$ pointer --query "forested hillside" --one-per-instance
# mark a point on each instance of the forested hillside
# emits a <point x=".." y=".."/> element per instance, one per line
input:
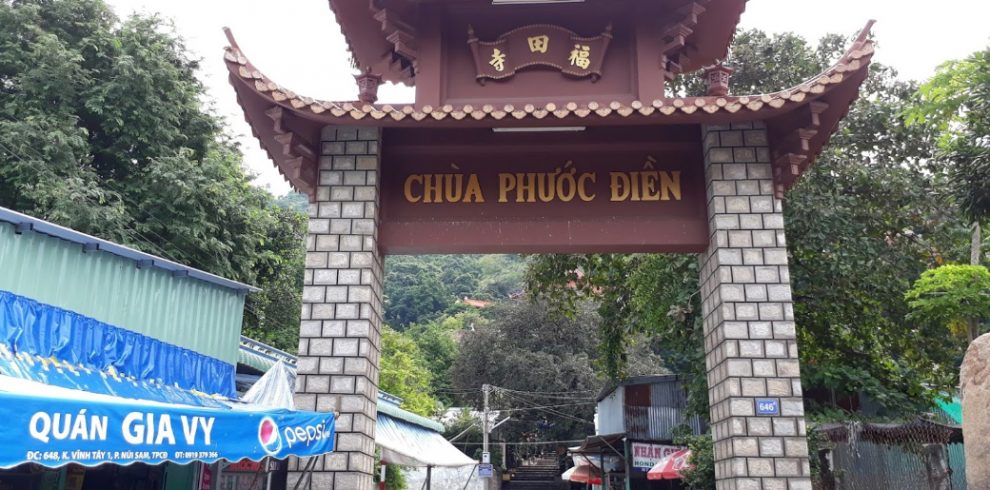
<point x="419" y="289"/>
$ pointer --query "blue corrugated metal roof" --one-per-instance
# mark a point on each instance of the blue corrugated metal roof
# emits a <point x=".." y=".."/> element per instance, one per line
<point x="23" y="222"/>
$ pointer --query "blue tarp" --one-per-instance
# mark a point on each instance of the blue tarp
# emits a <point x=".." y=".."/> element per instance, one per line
<point x="54" y="426"/>
<point x="49" y="332"/>
<point x="51" y="371"/>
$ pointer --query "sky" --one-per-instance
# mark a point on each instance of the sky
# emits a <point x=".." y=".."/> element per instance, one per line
<point x="298" y="44"/>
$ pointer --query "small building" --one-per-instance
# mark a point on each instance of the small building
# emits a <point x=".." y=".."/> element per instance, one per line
<point x="117" y="369"/>
<point x="635" y="424"/>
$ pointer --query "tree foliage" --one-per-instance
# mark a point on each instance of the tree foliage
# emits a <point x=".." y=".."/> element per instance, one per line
<point x="951" y="295"/>
<point x="103" y="129"/>
<point x="404" y="373"/>
<point x="437" y="340"/>
<point x="957" y="98"/>
<point x="526" y="348"/>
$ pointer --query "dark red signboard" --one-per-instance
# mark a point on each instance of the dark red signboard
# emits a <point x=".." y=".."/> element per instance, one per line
<point x="539" y="45"/>
<point x="628" y="189"/>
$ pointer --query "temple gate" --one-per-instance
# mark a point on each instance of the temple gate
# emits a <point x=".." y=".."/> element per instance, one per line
<point x="542" y="127"/>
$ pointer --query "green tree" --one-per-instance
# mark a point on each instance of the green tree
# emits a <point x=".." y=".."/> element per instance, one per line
<point x="437" y="340"/>
<point x="952" y="295"/>
<point x="958" y="98"/>
<point x="414" y="292"/>
<point x="540" y="358"/>
<point x="405" y="373"/>
<point x="103" y="129"/>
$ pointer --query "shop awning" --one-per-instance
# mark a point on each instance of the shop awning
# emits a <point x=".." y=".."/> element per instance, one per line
<point x="408" y="444"/>
<point x="607" y="444"/>
<point x="53" y="426"/>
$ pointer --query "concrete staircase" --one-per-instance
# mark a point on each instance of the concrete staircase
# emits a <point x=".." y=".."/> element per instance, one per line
<point x="542" y="474"/>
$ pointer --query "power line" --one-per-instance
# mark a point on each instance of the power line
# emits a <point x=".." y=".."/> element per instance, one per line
<point x="545" y="406"/>
<point x="560" y="395"/>
<point x="551" y="411"/>
<point x="546" y="392"/>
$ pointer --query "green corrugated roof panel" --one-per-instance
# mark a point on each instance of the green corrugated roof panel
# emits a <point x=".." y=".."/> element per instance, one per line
<point x="396" y="412"/>
<point x="254" y="359"/>
<point x="952" y="409"/>
<point x="173" y="306"/>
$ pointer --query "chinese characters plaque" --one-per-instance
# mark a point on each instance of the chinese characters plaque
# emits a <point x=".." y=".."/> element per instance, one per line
<point x="539" y="45"/>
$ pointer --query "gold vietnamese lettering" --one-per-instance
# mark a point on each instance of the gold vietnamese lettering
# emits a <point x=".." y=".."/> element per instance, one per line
<point x="582" y="186"/>
<point x="619" y="181"/>
<point x="473" y="192"/>
<point x="408" y="188"/>
<point x="498" y="60"/>
<point x="581" y="56"/>
<point x="442" y="188"/>
<point x="432" y="189"/>
<point x="506" y="184"/>
<point x="564" y="184"/>
<point x="538" y="44"/>
<point x="670" y="185"/>
<point x="526" y="187"/>
<point x="452" y="187"/>
<point x="643" y="186"/>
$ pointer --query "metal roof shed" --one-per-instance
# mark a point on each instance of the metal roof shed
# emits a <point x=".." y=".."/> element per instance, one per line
<point x="121" y="286"/>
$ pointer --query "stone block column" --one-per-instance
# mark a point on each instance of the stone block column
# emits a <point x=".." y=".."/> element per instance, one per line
<point x="750" y="341"/>
<point x="339" y="344"/>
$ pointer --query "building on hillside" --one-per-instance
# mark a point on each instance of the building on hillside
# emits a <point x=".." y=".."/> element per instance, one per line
<point x="117" y="369"/>
<point x="635" y="424"/>
<point x="474" y="303"/>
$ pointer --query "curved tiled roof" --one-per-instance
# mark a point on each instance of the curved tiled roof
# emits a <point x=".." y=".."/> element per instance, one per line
<point x="800" y="119"/>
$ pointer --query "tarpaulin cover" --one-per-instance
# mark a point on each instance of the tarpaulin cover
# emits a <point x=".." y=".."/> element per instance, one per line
<point x="54" y="426"/>
<point x="406" y="444"/>
<point x="274" y="389"/>
<point x="48" y="331"/>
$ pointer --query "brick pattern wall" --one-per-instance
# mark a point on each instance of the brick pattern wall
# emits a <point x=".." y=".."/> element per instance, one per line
<point x="339" y="344"/>
<point x="750" y="342"/>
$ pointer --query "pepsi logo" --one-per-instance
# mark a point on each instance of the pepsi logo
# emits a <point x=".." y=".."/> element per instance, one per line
<point x="268" y="436"/>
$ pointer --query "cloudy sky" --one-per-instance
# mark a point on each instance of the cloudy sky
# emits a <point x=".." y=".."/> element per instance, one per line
<point x="298" y="44"/>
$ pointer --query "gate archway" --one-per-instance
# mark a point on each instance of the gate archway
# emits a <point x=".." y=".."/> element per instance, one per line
<point x="557" y="155"/>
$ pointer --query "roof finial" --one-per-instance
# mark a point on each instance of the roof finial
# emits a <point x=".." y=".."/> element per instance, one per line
<point x="717" y="79"/>
<point x="368" y="86"/>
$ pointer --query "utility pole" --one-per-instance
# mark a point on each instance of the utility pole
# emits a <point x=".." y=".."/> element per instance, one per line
<point x="485" y="389"/>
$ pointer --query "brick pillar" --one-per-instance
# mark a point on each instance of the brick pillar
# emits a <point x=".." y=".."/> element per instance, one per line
<point x="339" y="344"/>
<point x="750" y="342"/>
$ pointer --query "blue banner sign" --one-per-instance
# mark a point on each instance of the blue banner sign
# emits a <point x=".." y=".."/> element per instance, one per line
<point x="55" y="431"/>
